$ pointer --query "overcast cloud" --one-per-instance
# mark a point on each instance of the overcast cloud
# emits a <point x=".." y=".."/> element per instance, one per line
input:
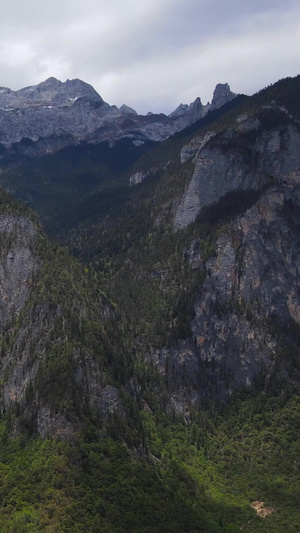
<point x="150" y="54"/>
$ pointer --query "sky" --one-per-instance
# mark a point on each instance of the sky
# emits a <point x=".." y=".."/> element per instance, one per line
<point x="150" y="54"/>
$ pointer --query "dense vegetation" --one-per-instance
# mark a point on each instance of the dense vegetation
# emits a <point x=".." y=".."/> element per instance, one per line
<point x="203" y="477"/>
<point x="55" y="186"/>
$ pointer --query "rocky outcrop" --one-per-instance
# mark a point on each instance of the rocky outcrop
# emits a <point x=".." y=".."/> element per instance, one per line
<point x="233" y="161"/>
<point x="138" y="177"/>
<point x="189" y="114"/>
<point x="20" y="362"/>
<point x="222" y="95"/>
<point x="53" y="91"/>
<point x="126" y="110"/>
<point x="252" y="284"/>
<point x="195" y="146"/>
<point x="18" y="265"/>
<point x="179" y="111"/>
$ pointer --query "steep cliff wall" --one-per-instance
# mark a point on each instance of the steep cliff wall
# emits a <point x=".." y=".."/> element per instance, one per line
<point x="247" y="309"/>
<point x="53" y="363"/>
<point x="18" y="265"/>
<point x="247" y="312"/>
<point x="244" y="158"/>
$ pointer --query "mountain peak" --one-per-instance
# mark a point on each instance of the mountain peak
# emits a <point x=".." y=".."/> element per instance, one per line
<point x="179" y="111"/>
<point x="50" y="81"/>
<point x="77" y="88"/>
<point x="222" y="95"/>
<point x="126" y="110"/>
<point x="58" y="92"/>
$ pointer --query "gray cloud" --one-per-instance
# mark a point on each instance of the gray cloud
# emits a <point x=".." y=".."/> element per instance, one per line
<point x="151" y="55"/>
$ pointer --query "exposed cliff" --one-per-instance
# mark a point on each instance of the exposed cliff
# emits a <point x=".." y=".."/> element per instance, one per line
<point x="243" y="158"/>
<point x="18" y="265"/>
<point x="245" y="325"/>
<point x="54" y="366"/>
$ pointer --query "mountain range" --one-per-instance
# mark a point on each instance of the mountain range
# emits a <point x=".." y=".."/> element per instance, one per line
<point x="150" y="311"/>
<point x="54" y="114"/>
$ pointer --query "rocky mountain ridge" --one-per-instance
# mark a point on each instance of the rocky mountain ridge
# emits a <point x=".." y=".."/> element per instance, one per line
<point x="196" y="110"/>
<point x="53" y="114"/>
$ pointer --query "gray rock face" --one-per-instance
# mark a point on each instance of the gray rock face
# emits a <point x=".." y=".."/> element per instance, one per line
<point x="254" y="278"/>
<point x="126" y="110"/>
<point x="71" y="109"/>
<point x="204" y="189"/>
<point x="55" y="92"/>
<point x="195" y="146"/>
<point x="179" y="111"/>
<point x="137" y="178"/>
<point x="219" y="170"/>
<point x="18" y="265"/>
<point x="195" y="110"/>
<point x="18" y="268"/>
<point x="222" y="95"/>
<point x="185" y="115"/>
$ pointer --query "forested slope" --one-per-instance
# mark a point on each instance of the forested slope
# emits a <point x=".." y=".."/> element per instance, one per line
<point x="152" y="383"/>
